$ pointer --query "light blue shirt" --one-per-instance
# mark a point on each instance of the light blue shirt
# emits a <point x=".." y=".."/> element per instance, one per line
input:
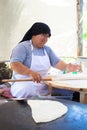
<point x="23" y="53"/>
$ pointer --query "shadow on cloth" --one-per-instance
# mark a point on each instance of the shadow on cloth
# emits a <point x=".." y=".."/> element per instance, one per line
<point x="6" y="93"/>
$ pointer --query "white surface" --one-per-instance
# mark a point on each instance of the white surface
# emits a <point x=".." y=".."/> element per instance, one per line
<point x="74" y="80"/>
<point x="45" y="110"/>
<point x="68" y="76"/>
<point x="75" y="83"/>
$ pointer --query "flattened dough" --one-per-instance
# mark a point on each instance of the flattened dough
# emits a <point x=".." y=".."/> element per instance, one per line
<point x="46" y="110"/>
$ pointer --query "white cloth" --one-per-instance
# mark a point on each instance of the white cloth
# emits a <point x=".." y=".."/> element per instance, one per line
<point x="40" y="64"/>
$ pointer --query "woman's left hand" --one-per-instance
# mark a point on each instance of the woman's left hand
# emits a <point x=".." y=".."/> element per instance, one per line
<point x="73" y="67"/>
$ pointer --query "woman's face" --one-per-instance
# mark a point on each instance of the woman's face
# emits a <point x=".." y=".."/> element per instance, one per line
<point x="40" y="40"/>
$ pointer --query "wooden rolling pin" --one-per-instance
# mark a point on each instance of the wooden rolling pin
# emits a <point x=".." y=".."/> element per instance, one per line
<point x="50" y="78"/>
<point x="21" y="80"/>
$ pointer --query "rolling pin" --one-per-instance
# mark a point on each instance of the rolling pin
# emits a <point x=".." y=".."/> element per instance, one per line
<point x="21" y="80"/>
<point x="50" y="78"/>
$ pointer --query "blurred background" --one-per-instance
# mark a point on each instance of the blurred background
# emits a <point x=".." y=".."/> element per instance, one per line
<point x="66" y="18"/>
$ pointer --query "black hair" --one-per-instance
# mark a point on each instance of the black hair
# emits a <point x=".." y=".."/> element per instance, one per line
<point x="37" y="28"/>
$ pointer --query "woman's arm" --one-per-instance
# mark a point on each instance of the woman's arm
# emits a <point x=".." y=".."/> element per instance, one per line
<point x="68" y="67"/>
<point x="24" y="70"/>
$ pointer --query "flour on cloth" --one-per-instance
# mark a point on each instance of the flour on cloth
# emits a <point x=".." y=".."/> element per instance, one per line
<point x="46" y="110"/>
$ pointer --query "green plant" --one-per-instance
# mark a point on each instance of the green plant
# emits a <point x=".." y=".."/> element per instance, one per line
<point x="85" y="36"/>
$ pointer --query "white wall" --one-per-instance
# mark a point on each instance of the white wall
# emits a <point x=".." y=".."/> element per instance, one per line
<point x="17" y="16"/>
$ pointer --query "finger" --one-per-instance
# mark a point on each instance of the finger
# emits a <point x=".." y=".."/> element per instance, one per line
<point x="37" y="79"/>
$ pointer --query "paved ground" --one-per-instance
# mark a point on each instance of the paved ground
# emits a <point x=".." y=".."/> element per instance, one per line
<point x="3" y="100"/>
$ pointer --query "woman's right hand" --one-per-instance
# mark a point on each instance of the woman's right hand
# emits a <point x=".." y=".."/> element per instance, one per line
<point x="36" y="77"/>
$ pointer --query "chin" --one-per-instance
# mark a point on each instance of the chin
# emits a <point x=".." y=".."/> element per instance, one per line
<point x="41" y="45"/>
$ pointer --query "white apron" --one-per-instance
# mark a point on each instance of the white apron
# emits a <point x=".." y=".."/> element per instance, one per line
<point x="40" y="64"/>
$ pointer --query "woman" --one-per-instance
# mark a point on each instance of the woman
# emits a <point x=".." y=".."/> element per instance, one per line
<point x="32" y="58"/>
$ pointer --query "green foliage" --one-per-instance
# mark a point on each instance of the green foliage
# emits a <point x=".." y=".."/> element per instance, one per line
<point x="85" y="36"/>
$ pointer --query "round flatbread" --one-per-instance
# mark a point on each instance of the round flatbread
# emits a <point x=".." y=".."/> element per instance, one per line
<point x="46" y="110"/>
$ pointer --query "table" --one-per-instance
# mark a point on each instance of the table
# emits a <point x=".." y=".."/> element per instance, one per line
<point x="16" y="115"/>
<point x="74" y="85"/>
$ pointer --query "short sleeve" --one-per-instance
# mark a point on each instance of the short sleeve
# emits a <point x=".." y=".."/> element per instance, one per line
<point x="18" y="54"/>
<point x="54" y="59"/>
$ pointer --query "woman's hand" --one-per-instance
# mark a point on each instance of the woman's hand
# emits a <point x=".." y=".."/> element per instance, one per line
<point x="36" y="77"/>
<point x="73" y="67"/>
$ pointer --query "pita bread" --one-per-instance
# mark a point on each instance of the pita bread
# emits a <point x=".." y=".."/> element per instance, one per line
<point x="46" y="110"/>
